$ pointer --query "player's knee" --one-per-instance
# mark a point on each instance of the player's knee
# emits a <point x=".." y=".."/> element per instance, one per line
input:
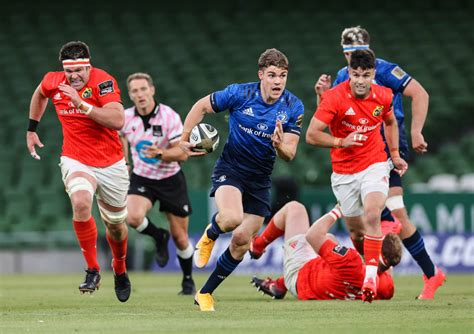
<point x="372" y="215"/>
<point x="113" y="217"/>
<point x="241" y="238"/>
<point x="295" y="206"/>
<point x="81" y="205"/>
<point x="229" y="220"/>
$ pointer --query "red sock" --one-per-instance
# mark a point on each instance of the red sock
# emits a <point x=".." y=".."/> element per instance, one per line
<point x="119" y="254"/>
<point x="270" y="233"/>
<point x="86" y="232"/>
<point x="372" y="250"/>
<point x="358" y="245"/>
<point x="280" y="283"/>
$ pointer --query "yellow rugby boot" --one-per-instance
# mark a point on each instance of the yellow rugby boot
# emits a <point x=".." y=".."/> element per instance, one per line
<point x="203" y="249"/>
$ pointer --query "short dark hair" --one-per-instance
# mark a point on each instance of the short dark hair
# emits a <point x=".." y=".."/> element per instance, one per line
<point x="74" y="50"/>
<point x="365" y="59"/>
<point x="391" y="251"/>
<point x="355" y="36"/>
<point x="272" y="57"/>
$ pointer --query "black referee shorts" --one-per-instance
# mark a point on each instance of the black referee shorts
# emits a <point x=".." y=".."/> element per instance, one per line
<point x="172" y="192"/>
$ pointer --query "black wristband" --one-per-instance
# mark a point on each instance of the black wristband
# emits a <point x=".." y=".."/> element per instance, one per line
<point x="32" y="125"/>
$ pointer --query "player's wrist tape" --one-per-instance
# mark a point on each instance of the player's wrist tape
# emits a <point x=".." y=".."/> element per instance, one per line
<point x="85" y="107"/>
<point x="335" y="213"/>
<point x="337" y="142"/>
<point x="32" y="125"/>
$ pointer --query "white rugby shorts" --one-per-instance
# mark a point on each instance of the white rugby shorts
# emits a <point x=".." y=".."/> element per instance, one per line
<point x="297" y="253"/>
<point x="112" y="181"/>
<point x="351" y="189"/>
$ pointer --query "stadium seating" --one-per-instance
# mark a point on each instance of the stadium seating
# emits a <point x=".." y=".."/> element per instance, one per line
<point x="191" y="55"/>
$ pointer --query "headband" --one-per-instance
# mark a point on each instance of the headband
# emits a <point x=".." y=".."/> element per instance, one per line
<point x="351" y="48"/>
<point x="76" y="62"/>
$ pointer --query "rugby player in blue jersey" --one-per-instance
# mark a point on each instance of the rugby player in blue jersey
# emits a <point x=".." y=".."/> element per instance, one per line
<point x="265" y="122"/>
<point x="402" y="84"/>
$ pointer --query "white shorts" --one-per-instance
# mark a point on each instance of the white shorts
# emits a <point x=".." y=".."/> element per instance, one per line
<point x="297" y="253"/>
<point x="351" y="189"/>
<point x="112" y="181"/>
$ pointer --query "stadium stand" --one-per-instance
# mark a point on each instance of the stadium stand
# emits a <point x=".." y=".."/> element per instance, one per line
<point x="192" y="55"/>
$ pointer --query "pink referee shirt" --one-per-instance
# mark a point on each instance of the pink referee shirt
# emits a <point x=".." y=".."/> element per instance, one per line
<point x="165" y="128"/>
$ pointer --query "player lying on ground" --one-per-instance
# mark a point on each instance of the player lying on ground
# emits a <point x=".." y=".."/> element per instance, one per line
<point x="316" y="266"/>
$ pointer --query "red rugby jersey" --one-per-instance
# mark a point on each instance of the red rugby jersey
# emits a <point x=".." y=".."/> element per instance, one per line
<point x="338" y="273"/>
<point x="84" y="139"/>
<point x="344" y="113"/>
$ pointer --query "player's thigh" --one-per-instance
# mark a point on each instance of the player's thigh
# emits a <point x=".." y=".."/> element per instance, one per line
<point x="346" y="188"/>
<point x="296" y="219"/>
<point x="112" y="184"/>
<point x="229" y="205"/>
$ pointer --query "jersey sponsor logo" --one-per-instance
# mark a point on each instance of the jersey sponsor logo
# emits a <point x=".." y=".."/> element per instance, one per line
<point x="248" y="111"/>
<point x="282" y="116"/>
<point x="57" y="96"/>
<point x="363" y="121"/>
<point x="299" y="121"/>
<point x="398" y="73"/>
<point x="350" y="112"/>
<point x="262" y="126"/>
<point x="106" y="87"/>
<point x="254" y="132"/>
<point x="340" y="250"/>
<point x="87" y="93"/>
<point x="360" y="128"/>
<point x="377" y="111"/>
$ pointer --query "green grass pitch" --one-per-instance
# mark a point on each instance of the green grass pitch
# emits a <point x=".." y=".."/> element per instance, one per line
<point x="53" y="304"/>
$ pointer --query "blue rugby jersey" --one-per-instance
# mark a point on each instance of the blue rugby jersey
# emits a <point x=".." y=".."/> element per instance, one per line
<point x="389" y="75"/>
<point x="248" y="150"/>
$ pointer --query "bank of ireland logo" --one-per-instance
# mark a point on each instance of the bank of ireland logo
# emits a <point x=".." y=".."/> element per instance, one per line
<point x="141" y="154"/>
<point x="87" y="93"/>
<point x="363" y="121"/>
<point x="377" y="111"/>
<point x="282" y="116"/>
<point x="262" y="126"/>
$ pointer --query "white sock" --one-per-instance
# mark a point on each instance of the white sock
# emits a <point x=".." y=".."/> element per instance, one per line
<point x="185" y="253"/>
<point x="370" y="272"/>
<point x="143" y="225"/>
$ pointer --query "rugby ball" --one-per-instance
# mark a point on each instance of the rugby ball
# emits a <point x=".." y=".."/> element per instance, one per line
<point x="205" y="137"/>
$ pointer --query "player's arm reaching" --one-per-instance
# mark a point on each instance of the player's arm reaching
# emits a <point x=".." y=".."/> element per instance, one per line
<point x="419" y="108"/>
<point x="391" y="135"/>
<point x="173" y="153"/>
<point x="318" y="137"/>
<point x="318" y="232"/>
<point x="37" y="107"/>
<point x="285" y="144"/>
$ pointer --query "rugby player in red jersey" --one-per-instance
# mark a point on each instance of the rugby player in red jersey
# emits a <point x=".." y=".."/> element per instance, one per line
<point x="88" y="104"/>
<point x="316" y="266"/>
<point x="354" y="111"/>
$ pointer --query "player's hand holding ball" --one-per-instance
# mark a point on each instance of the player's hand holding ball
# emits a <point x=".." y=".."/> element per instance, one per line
<point x="203" y="139"/>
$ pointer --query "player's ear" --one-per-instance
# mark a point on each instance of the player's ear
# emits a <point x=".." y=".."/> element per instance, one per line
<point x="260" y="74"/>
<point x="152" y="89"/>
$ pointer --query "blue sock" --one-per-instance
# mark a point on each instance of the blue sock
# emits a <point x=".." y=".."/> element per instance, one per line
<point x="215" y="230"/>
<point x="225" y="266"/>
<point x="416" y="247"/>
<point x="387" y="215"/>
